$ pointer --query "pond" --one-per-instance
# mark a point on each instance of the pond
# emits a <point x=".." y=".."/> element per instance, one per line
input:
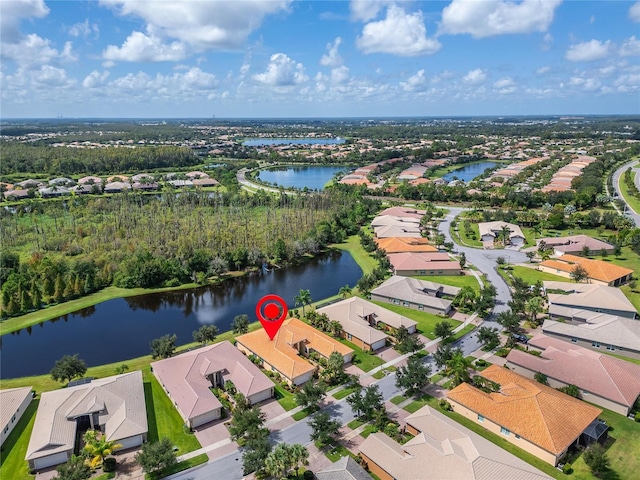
<point x="121" y="329"/>
<point x="312" y="177"/>
<point x="469" y="172"/>
<point x="264" y="142"/>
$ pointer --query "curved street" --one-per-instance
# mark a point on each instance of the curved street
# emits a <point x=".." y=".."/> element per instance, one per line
<point x="635" y="216"/>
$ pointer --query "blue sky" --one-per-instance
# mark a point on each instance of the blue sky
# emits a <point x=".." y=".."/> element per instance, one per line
<point x="282" y="58"/>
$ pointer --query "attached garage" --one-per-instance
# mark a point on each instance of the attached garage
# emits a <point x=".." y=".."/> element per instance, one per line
<point x="50" y="460"/>
<point x="207" y="417"/>
<point x="261" y="396"/>
<point x="131" y="442"/>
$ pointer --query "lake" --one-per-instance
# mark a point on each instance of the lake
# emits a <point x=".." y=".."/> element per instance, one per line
<point x="469" y="172"/>
<point x="265" y="142"/>
<point x="312" y="177"/>
<point x="120" y="329"/>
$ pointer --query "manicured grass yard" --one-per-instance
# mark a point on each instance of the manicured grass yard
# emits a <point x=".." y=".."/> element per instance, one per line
<point x="453" y="280"/>
<point x="336" y="453"/>
<point x="398" y="400"/>
<point x="365" y="361"/>
<point x="632" y="200"/>
<point x="163" y="419"/>
<point x="352" y="245"/>
<point x="368" y="430"/>
<point x="345" y="392"/>
<point x="531" y="275"/>
<point x="285" y="397"/>
<point x="355" y="423"/>
<point x="466" y="239"/>
<point x="12" y="463"/>
<point x="426" y="321"/>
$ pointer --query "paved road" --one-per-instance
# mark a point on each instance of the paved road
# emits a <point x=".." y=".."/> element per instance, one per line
<point x="635" y="216"/>
<point x="242" y="180"/>
<point x="485" y="261"/>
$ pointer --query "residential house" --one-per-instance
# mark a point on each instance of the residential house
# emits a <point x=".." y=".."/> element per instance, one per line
<point x="180" y="183"/>
<point x="90" y="180"/>
<point x="416" y="294"/>
<point x="387" y="231"/>
<point x="588" y="329"/>
<point x="442" y="449"/>
<point x="188" y="378"/>
<point x="598" y="271"/>
<point x="344" y="469"/>
<point x="18" y="194"/>
<point x="143" y="177"/>
<point x="404" y="244"/>
<point x="284" y="354"/>
<point x="403" y="212"/>
<point x="61" y="182"/>
<point x="364" y="323"/>
<point x="429" y="263"/>
<point x="30" y="183"/>
<point x="491" y="232"/>
<point x="602" y="379"/>
<point x="568" y="300"/>
<point x="114" y="405"/>
<point x="537" y="418"/>
<point x="145" y="186"/>
<point x="196" y="174"/>
<point x="116" y="187"/>
<point x="575" y="245"/>
<point x="13" y="403"/>
<point x="205" y="182"/>
<point x="403" y="222"/>
<point x="53" y="191"/>
<point x="118" y="178"/>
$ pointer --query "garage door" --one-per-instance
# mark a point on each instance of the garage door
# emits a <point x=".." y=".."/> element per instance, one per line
<point x="50" y="461"/>
<point x="130" y="442"/>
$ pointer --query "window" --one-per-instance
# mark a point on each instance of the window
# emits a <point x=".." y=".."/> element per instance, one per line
<point x="423" y="272"/>
<point x="584" y="392"/>
<point x="505" y="431"/>
<point x="480" y="418"/>
<point x="349" y="336"/>
<point x="517" y="437"/>
<point x="420" y="307"/>
<point x="611" y="347"/>
<point x="574" y="340"/>
<point x="595" y="344"/>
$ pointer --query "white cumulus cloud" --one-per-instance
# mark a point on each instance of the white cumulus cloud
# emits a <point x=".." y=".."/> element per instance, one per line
<point x="12" y="11"/>
<point x="587" y="84"/>
<point x="400" y="33"/>
<point x="95" y="79"/>
<point x="365" y="10"/>
<point x="543" y="70"/>
<point x="588" y="51"/>
<point x="35" y="50"/>
<point x="497" y="17"/>
<point x="332" y="57"/>
<point x="200" y="24"/>
<point x="415" y="83"/>
<point x="282" y="71"/>
<point x="475" y="77"/>
<point x="139" y="47"/>
<point x="634" y="12"/>
<point x="630" y="47"/>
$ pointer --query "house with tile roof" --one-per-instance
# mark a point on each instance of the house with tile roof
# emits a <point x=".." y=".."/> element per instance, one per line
<point x="442" y="449"/>
<point x="602" y="379"/>
<point x="598" y="271"/>
<point x="416" y="294"/>
<point x="285" y="354"/>
<point x="13" y="403"/>
<point x="429" y="263"/>
<point x="572" y="301"/>
<point x="490" y="232"/>
<point x="344" y="469"/>
<point x="598" y="331"/>
<point x="537" y="418"/>
<point x="404" y="244"/>
<point x="365" y="323"/>
<point x="114" y="405"/>
<point x="575" y="245"/>
<point x="403" y="212"/>
<point x="188" y="378"/>
<point x="386" y="231"/>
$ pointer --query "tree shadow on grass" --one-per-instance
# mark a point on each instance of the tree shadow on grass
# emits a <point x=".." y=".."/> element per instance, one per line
<point x="152" y="435"/>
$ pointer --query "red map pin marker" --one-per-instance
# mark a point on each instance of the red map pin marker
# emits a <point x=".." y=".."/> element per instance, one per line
<point x="275" y="312"/>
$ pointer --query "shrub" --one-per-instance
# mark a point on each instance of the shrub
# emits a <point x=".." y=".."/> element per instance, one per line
<point x="637" y="417"/>
<point x="445" y="405"/>
<point x="109" y="465"/>
<point x="481" y="362"/>
<point x="308" y="475"/>
<point x="566" y="469"/>
<point x="503" y="352"/>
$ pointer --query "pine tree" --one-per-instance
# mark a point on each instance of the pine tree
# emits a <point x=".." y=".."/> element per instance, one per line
<point x="25" y="301"/>
<point x="36" y="296"/>
<point x="78" y="288"/>
<point x="58" y="293"/>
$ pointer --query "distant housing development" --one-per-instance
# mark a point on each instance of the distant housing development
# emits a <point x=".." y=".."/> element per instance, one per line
<point x="602" y="379"/>
<point x="188" y="378"/>
<point x="114" y="405"/>
<point x="537" y="418"/>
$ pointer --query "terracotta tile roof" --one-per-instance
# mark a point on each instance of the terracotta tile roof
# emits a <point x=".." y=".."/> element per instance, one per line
<point x="542" y="415"/>
<point x="404" y="244"/>
<point x="597" y="373"/>
<point x="282" y="355"/>
<point x="596" y="269"/>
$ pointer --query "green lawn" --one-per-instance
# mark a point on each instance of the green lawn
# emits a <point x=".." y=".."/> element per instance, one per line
<point x="531" y="275"/>
<point x="285" y="397"/>
<point x="466" y="239"/>
<point x="345" y="392"/>
<point x="300" y="415"/>
<point x="365" y="361"/>
<point x="163" y="419"/>
<point x="398" y="400"/>
<point x="426" y="321"/>
<point x="461" y="333"/>
<point x="352" y="245"/>
<point x="353" y="424"/>
<point x="336" y="453"/>
<point x="179" y="467"/>
<point x="453" y="280"/>
<point x="630" y="198"/>
<point x="12" y="463"/>
<point x="417" y="404"/>
<point x="368" y="430"/>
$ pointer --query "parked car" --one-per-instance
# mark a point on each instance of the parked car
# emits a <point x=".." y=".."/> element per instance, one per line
<point x="520" y="338"/>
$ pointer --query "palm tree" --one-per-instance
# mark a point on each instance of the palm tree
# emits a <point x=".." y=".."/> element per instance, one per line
<point x="505" y="233"/>
<point x="98" y="447"/>
<point x="458" y="368"/>
<point x="303" y="298"/>
<point x="534" y="307"/>
<point x="345" y="291"/>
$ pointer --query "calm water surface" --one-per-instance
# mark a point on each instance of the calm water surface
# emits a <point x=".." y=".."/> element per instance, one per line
<point x="469" y="172"/>
<point x="263" y="142"/>
<point x="312" y="177"/>
<point x="122" y="328"/>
